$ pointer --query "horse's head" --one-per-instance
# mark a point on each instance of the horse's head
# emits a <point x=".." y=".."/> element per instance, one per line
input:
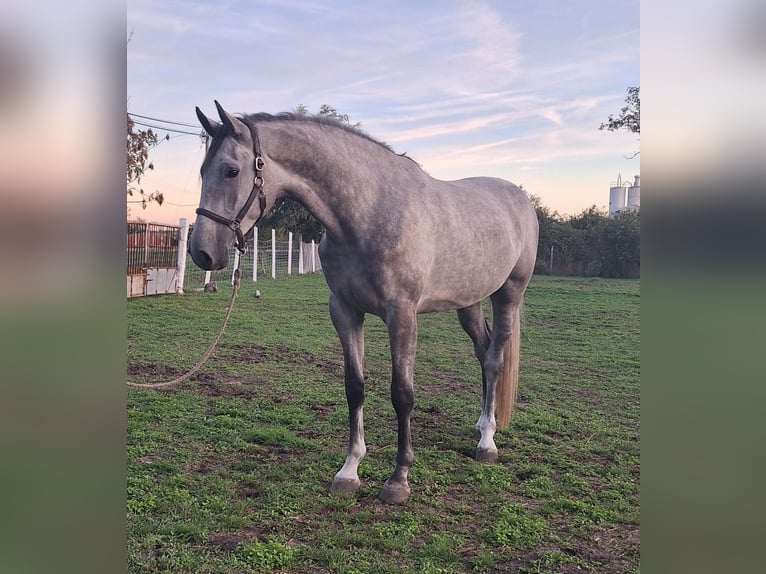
<point x="231" y="183"/>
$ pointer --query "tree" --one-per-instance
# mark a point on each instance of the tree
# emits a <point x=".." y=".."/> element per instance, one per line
<point x="630" y="115"/>
<point x="139" y="144"/>
<point x="289" y="214"/>
<point x="328" y="111"/>
<point x="589" y="243"/>
<point x="546" y="221"/>
<point x="619" y="245"/>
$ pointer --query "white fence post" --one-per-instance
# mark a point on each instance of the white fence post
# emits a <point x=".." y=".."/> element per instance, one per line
<point x="183" y="235"/>
<point x="273" y="253"/>
<point x="207" y="277"/>
<point x="300" y="257"/>
<point x="289" y="252"/>
<point x="255" y="254"/>
<point x="313" y="257"/>
<point x="236" y="264"/>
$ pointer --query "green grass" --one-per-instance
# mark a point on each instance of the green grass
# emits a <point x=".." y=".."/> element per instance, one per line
<point x="230" y="471"/>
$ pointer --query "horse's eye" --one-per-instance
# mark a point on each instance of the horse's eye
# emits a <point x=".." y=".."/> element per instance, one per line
<point x="232" y="172"/>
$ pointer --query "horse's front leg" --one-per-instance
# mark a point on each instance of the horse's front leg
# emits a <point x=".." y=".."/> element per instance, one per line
<point x="349" y="323"/>
<point x="403" y="334"/>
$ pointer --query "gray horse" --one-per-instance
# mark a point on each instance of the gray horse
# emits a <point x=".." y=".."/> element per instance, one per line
<point x="388" y="227"/>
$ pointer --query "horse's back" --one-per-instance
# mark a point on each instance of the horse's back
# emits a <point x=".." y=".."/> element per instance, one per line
<point x="482" y="192"/>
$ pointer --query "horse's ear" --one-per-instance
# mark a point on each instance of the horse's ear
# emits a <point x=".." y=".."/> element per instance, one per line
<point x="235" y="125"/>
<point x="210" y="126"/>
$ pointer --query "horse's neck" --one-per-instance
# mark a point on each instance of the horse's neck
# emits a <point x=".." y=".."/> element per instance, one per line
<point x="319" y="170"/>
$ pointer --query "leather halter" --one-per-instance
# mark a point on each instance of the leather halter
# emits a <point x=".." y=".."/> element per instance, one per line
<point x="256" y="192"/>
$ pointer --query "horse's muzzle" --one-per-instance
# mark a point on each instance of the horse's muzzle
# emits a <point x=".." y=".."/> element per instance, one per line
<point x="207" y="258"/>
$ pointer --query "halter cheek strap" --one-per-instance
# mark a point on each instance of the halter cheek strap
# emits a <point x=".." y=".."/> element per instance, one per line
<point x="256" y="192"/>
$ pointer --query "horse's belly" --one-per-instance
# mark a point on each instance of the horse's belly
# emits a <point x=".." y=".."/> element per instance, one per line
<point x="458" y="296"/>
<point x="435" y="305"/>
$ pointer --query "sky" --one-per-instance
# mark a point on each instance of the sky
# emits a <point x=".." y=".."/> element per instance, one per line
<point x="508" y="89"/>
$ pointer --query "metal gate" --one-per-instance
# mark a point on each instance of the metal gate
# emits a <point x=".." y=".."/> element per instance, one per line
<point x="152" y="259"/>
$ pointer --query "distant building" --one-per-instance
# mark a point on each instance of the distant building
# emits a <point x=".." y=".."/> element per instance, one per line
<point x="624" y="197"/>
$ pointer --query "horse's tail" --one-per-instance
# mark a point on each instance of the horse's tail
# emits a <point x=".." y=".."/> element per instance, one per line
<point x="508" y="381"/>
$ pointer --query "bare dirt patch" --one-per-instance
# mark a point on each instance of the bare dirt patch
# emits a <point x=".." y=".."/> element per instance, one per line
<point x="229" y="541"/>
<point x="152" y="372"/>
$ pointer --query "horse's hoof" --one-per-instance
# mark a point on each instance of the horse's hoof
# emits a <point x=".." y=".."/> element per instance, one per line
<point x="345" y="485"/>
<point x="486" y="455"/>
<point x="393" y="493"/>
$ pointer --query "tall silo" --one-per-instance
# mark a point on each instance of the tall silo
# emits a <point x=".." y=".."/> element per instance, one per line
<point x="616" y="197"/>
<point x="634" y="195"/>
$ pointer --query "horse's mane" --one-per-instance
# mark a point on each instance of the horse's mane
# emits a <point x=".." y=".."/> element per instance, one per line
<point x="315" y="119"/>
<point x="252" y="119"/>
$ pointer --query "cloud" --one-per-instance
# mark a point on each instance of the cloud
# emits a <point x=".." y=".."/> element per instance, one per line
<point x="458" y="126"/>
<point x="455" y="83"/>
<point x="494" y="42"/>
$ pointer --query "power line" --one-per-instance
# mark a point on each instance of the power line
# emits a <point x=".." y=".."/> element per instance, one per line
<point x="162" y="121"/>
<point x="148" y="124"/>
<point x="166" y="129"/>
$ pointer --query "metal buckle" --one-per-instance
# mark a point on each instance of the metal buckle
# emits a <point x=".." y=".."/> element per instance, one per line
<point x="259" y="163"/>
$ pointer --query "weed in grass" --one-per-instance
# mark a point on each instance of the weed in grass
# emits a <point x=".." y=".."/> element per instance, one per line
<point x="398" y="531"/>
<point x="485" y="561"/>
<point x="428" y="567"/>
<point x="538" y="487"/>
<point x="183" y="532"/>
<point x="141" y="498"/>
<point x="233" y="521"/>
<point x="275" y="436"/>
<point x="160" y="466"/>
<point x="338" y="560"/>
<point x="516" y="527"/>
<point x="564" y="505"/>
<point x="247" y="464"/>
<point x="440" y="549"/>
<point x="572" y="484"/>
<point x="267" y="556"/>
<point x="492" y="478"/>
<point x="583" y="513"/>
<point x="532" y="470"/>
<point x="554" y="562"/>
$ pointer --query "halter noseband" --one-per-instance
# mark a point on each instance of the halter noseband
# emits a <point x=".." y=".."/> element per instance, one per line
<point x="256" y="192"/>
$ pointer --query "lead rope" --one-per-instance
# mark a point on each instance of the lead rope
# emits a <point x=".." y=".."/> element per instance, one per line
<point x="206" y="356"/>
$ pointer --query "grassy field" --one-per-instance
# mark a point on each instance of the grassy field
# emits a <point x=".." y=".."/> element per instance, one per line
<point x="230" y="471"/>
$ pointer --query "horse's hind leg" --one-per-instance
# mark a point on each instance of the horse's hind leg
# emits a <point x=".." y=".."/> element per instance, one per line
<point x="349" y="324"/>
<point x="473" y="322"/>
<point x="505" y="313"/>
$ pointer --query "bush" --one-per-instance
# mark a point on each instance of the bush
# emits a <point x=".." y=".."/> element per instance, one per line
<point x="590" y="243"/>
